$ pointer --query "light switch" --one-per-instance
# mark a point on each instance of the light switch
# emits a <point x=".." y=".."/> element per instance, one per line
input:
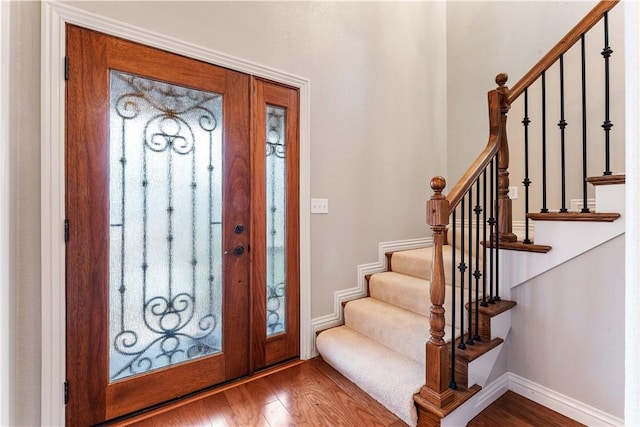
<point x="319" y="206"/>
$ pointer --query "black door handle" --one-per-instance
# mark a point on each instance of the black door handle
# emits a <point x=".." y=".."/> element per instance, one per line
<point x="238" y="250"/>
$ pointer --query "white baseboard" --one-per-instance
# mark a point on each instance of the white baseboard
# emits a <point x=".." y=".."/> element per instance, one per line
<point x="551" y="399"/>
<point x="359" y="291"/>
<point x="560" y="403"/>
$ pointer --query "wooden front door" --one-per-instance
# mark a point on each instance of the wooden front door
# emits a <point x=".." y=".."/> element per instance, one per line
<point x="158" y="210"/>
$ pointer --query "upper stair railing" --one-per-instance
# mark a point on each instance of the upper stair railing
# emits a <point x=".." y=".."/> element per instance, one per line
<point x="477" y="212"/>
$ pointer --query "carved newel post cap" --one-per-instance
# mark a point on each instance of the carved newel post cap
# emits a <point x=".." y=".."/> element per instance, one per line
<point x="501" y="79"/>
<point x="437" y="184"/>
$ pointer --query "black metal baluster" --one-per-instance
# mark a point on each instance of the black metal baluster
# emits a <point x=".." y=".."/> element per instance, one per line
<point x="452" y="383"/>
<point x="606" y="125"/>
<point x="526" y="182"/>
<point x="470" y="259"/>
<point x="476" y="274"/>
<point x="462" y="267"/>
<point x="492" y="222"/>
<point x="544" y="145"/>
<point x="585" y="207"/>
<point x="194" y="232"/>
<point x="562" y="124"/>
<point x="484" y="239"/>
<point x="496" y="297"/>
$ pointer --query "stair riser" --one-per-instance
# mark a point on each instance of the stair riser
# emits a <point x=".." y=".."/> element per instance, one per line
<point x="395" y="328"/>
<point x="417" y="263"/>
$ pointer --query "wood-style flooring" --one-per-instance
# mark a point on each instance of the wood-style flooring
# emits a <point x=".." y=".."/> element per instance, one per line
<point x="312" y="393"/>
<point x="513" y="410"/>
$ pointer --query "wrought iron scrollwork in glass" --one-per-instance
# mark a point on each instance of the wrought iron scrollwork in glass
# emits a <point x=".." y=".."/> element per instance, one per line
<point x="276" y="219"/>
<point x="165" y="224"/>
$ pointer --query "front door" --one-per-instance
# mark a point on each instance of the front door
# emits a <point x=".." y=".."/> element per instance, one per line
<point x="158" y="209"/>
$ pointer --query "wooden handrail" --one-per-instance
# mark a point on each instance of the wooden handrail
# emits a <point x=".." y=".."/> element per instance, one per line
<point x="473" y="172"/>
<point x="572" y="37"/>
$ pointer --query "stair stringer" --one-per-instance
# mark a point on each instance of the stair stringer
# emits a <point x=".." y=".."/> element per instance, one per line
<point x="481" y="370"/>
<point x="518" y="267"/>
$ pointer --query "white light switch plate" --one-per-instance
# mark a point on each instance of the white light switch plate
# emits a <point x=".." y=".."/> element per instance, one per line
<point x="319" y="206"/>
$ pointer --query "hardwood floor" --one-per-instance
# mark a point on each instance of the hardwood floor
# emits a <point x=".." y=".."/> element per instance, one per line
<point x="513" y="410"/>
<point x="312" y="393"/>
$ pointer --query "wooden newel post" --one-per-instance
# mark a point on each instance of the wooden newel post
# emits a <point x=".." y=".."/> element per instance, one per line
<point x="436" y="389"/>
<point x="504" y="202"/>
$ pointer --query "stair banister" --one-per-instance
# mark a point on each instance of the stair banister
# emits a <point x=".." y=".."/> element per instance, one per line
<point x="436" y="390"/>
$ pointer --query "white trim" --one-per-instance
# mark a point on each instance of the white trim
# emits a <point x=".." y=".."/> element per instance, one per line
<point x="632" y="241"/>
<point x="52" y="216"/>
<point x="551" y="399"/>
<point x="360" y="291"/>
<point x="5" y="321"/>
<point x="560" y="403"/>
<point x="54" y="17"/>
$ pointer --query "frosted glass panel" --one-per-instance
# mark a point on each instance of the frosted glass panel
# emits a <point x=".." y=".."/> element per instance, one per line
<point x="165" y="192"/>
<point x="276" y="220"/>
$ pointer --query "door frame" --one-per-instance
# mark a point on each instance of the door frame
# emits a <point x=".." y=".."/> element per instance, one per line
<point x="54" y="17"/>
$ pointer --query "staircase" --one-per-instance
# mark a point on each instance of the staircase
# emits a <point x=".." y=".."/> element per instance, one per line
<point x="426" y="341"/>
<point x="381" y="345"/>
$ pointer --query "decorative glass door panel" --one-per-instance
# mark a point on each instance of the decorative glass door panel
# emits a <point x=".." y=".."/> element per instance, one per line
<point x="165" y="272"/>
<point x="275" y="248"/>
<point x="276" y="180"/>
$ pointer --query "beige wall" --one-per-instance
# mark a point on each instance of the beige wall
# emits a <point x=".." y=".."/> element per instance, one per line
<point x="378" y="97"/>
<point x="24" y="174"/>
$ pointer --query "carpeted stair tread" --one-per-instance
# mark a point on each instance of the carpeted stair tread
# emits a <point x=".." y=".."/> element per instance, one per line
<point x="389" y="377"/>
<point x="394" y="327"/>
<point x="391" y="326"/>
<point x="414" y="262"/>
<point x="408" y="292"/>
<point x="417" y="263"/>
